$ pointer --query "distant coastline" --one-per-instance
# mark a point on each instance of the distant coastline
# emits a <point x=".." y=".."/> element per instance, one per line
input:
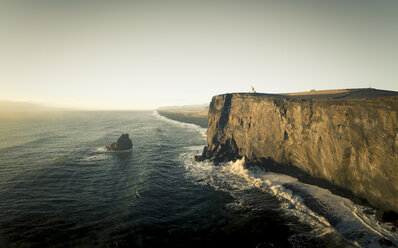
<point x="197" y="117"/>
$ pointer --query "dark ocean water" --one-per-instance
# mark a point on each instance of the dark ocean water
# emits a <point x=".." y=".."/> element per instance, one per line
<point x="60" y="188"/>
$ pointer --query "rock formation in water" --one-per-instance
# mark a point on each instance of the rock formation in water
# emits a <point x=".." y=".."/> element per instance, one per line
<point x="122" y="143"/>
<point x="349" y="138"/>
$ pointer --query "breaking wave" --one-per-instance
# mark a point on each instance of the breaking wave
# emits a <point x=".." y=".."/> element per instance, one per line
<point x="330" y="216"/>
<point x="202" y="131"/>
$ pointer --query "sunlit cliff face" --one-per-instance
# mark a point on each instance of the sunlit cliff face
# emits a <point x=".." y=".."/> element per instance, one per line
<point x="335" y="138"/>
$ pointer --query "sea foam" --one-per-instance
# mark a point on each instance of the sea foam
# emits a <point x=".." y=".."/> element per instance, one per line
<point x="202" y="131"/>
<point x="332" y="215"/>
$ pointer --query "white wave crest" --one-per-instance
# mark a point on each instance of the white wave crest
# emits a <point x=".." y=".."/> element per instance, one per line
<point x="349" y="219"/>
<point x="97" y="157"/>
<point x="202" y="131"/>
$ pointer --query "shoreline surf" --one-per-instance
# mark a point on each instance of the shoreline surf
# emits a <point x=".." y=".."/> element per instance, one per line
<point x="307" y="197"/>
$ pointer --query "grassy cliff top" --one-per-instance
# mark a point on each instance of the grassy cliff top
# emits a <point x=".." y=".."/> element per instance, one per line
<point x="364" y="93"/>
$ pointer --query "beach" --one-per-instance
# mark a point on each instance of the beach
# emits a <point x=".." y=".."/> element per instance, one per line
<point x="197" y="117"/>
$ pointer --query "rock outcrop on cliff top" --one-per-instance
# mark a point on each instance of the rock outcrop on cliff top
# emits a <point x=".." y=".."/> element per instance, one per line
<point x="349" y="138"/>
<point x="122" y="143"/>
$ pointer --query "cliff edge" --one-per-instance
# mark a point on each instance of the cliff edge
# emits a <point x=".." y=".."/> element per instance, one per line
<point x="348" y="137"/>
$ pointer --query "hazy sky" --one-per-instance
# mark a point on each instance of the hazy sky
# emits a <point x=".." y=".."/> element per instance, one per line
<point x="143" y="54"/>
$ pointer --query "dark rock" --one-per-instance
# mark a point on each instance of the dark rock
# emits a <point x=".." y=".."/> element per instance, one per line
<point x="122" y="143"/>
<point x="223" y="153"/>
<point x="202" y="157"/>
<point x="386" y="242"/>
<point x="387" y="216"/>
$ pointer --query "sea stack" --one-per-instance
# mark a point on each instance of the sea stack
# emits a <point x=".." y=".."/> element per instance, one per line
<point x="122" y="143"/>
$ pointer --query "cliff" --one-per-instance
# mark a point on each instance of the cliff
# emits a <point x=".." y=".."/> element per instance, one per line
<point x="347" y="137"/>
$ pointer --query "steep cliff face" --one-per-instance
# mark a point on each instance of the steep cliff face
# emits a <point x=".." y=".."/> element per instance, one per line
<point x="349" y="141"/>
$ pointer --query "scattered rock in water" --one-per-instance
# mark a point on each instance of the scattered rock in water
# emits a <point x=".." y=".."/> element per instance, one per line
<point x="227" y="151"/>
<point x="386" y="242"/>
<point x="387" y="216"/>
<point x="122" y="143"/>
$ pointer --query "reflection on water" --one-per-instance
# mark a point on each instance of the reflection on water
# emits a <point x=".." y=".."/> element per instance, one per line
<point x="59" y="187"/>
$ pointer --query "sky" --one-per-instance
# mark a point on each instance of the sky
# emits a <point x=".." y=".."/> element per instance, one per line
<point x="94" y="54"/>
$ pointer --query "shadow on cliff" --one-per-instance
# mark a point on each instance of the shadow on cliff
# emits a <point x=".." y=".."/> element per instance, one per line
<point x="269" y="165"/>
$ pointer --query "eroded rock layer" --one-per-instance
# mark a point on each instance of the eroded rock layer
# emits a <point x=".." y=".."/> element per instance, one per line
<point x="347" y="139"/>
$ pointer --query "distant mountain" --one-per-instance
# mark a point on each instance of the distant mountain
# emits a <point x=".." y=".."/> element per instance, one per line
<point x="19" y="106"/>
<point x="186" y="107"/>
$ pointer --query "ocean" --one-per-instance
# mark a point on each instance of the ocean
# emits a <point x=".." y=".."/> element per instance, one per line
<point x="59" y="187"/>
